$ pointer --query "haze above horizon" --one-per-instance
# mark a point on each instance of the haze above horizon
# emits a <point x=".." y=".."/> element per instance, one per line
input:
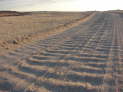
<point x="60" y="5"/>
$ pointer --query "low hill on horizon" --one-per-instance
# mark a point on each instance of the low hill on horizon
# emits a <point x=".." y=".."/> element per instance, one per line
<point x="11" y="13"/>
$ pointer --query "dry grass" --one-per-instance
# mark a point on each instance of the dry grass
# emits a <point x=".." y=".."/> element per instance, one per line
<point x="17" y="29"/>
<point x="36" y="74"/>
<point x="64" y="66"/>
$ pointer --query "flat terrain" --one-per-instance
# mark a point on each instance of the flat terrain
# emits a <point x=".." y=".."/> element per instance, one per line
<point x="16" y="28"/>
<point x="85" y="58"/>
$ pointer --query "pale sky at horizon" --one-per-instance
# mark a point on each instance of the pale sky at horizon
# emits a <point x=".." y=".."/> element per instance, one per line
<point x="60" y="5"/>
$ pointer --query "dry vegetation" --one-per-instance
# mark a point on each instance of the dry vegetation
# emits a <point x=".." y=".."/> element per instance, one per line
<point x="85" y="59"/>
<point x="17" y="28"/>
<point x="35" y="74"/>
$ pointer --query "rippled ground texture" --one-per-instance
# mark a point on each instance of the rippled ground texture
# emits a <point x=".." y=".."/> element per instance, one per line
<point x="86" y="58"/>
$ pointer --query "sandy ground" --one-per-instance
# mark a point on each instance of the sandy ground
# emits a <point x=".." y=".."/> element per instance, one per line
<point x="86" y="58"/>
<point x="16" y="30"/>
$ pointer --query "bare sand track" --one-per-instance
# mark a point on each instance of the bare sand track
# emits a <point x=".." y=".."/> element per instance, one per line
<point x="85" y="58"/>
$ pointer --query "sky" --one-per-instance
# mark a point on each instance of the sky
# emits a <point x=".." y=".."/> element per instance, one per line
<point x="60" y="5"/>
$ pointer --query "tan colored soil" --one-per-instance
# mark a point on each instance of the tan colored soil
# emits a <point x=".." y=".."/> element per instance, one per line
<point x="18" y="30"/>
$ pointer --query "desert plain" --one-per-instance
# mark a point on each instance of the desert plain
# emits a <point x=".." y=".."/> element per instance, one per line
<point x="61" y="51"/>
